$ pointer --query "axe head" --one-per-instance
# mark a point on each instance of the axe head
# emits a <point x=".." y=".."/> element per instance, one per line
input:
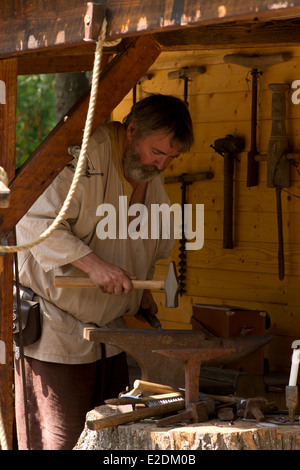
<point x="171" y="287"/>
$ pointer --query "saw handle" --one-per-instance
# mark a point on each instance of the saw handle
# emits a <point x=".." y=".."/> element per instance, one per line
<point x="85" y="282"/>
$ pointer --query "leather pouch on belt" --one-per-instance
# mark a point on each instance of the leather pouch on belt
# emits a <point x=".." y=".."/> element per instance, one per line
<point x="30" y="314"/>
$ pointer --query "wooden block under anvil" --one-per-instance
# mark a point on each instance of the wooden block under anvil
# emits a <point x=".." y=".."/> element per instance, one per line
<point x="225" y="321"/>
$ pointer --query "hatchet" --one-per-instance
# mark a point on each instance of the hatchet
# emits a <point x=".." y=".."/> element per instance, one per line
<point x="170" y="285"/>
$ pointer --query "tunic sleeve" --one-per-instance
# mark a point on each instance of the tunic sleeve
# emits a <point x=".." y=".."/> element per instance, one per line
<point x="63" y="246"/>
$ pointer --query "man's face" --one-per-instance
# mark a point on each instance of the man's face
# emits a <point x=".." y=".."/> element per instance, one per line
<point x="146" y="157"/>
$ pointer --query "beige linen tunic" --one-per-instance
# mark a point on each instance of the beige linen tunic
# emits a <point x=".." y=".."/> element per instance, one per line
<point x="65" y="312"/>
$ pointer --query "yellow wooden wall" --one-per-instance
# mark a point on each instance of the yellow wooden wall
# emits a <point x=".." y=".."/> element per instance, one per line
<point x="220" y="104"/>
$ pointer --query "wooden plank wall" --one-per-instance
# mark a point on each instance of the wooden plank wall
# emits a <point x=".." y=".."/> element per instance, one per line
<point x="220" y="104"/>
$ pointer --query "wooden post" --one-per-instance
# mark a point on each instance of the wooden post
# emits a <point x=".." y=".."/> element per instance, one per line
<point x="8" y="76"/>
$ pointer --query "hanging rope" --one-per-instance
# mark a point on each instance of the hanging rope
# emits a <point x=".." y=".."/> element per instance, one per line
<point x="82" y="157"/>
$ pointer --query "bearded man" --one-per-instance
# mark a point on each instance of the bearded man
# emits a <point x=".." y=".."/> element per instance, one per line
<point x="66" y="376"/>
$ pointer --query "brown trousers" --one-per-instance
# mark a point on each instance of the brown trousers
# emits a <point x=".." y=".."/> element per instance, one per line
<point x="60" y="395"/>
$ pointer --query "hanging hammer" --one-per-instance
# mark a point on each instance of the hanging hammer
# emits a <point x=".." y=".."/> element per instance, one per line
<point x="185" y="73"/>
<point x="169" y="285"/>
<point x="228" y="147"/>
<point x="256" y="64"/>
<point x="144" y="78"/>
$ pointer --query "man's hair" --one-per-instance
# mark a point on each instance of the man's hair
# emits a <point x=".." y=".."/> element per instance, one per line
<point x="162" y="112"/>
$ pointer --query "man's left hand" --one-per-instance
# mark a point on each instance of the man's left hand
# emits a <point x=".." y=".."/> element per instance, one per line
<point x="147" y="303"/>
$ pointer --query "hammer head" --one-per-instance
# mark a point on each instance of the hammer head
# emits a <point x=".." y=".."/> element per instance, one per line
<point x="229" y="144"/>
<point x="171" y="287"/>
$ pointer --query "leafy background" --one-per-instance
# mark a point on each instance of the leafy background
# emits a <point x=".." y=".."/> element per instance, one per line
<point x="42" y="100"/>
<point x="36" y="113"/>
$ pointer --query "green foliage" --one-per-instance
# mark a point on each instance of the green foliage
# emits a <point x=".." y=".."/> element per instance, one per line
<point x="36" y="115"/>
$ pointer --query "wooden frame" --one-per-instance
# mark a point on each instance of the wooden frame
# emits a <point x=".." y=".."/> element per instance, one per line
<point x="61" y="24"/>
<point x="8" y="73"/>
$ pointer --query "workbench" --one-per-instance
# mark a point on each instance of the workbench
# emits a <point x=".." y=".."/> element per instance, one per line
<point x="210" y="435"/>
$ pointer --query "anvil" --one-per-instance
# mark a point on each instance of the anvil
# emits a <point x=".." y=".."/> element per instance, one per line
<point x="140" y="344"/>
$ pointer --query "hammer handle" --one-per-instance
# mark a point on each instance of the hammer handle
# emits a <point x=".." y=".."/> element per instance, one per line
<point x="280" y="235"/>
<point x="228" y="201"/>
<point x="137" y="415"/>
<point x="154" y="387"/>
<point x="85" y="282"/>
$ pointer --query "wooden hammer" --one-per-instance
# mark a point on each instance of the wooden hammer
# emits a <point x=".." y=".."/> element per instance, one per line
<point x="170" y="285"/>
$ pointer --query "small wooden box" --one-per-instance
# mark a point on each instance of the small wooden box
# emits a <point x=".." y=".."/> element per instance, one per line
<point x="225" y="321"/>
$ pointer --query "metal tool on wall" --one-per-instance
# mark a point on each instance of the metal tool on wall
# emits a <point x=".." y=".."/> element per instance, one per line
<point x="144" y="78"/>
<point x="278" y="173"/>
<point x="185" y="74"/>
<point x="257" y="64"/>
<point x="279" y="158"/>
<point x="228" y="147"/>
<point x="185" y="179"/>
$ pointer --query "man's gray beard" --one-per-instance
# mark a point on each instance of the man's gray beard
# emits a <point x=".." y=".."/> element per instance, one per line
<point x="136" y="171"/>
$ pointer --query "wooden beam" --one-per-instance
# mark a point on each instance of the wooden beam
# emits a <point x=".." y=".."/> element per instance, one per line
<point x="237" y="34"/>
<point x="73" y="59"/>
<point x="232" y="34"/>
<point x="117" y="79"/>
<point x="38" y="64"/>
<point x="58" y="64"/>
<point x="33" y="26"/>
<point x="136" y="17"/>
<point x="8" y="75"/>
<point x="61" y="24"/>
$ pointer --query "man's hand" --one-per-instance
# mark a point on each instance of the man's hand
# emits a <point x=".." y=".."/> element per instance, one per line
<point x="109" y="278"/>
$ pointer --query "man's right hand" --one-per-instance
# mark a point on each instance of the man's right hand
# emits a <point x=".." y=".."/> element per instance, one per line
<point x="109" y="278"/>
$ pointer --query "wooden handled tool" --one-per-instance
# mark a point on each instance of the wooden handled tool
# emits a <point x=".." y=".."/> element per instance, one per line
<point x="230" y="400"/>
<point x="169" y="285"/>
<point x="256" y="64"/>
<point x="186" y="73"/>
<point x="278" y="174"/>
<point x="85" y="282"/>
<point x="154" y="387"/>
<point x="228" y="147"/>
<point x="186" y="180"/>
<point x="137" y="415"/>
